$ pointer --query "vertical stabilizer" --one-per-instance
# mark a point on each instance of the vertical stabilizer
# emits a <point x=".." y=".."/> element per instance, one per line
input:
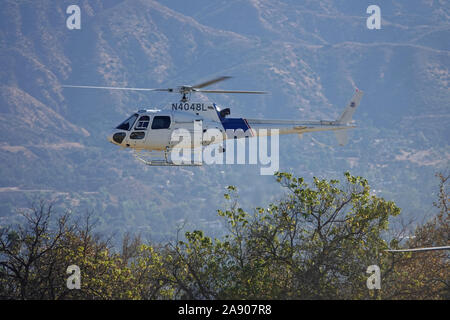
<point x="347" y="115"/>
<point x="342" y="137"/>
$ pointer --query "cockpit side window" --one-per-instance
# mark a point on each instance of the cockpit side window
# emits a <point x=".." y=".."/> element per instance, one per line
<point x="142" y="123"/>
<point x="128" y="124"/>
<point x="161" y="122"/>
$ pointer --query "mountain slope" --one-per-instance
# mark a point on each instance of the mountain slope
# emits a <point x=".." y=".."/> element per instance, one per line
<point x="310" y="55"/>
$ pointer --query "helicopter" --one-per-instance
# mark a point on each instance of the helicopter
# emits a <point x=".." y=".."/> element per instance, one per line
<point x="152" y="130"/>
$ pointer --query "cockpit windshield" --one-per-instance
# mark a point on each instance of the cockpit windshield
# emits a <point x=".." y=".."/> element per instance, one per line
<point x="128" y="124"/>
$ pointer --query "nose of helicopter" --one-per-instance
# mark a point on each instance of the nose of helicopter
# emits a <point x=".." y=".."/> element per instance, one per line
<point x="116" y="137"/>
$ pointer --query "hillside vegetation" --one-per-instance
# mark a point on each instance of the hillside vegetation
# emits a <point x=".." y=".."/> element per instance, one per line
<point x="310" y="55"/>
<point x="315" y="243"/>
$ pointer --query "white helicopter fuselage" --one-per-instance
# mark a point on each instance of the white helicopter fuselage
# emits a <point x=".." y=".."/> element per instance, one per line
<point x="153" y="130"/>
<point x="181" y="125"/>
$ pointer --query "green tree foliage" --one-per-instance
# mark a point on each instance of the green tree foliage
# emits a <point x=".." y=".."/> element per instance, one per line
<point x="34" y="259"/>
<point x="314" y="243"/>
<point x="423" y="275"/>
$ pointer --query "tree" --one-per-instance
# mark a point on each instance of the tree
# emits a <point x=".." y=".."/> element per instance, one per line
<point x="29" y="255"/>
<point x="314" y="244"/>
<point x="424" y="275"/>
<point x="34" y="257"/>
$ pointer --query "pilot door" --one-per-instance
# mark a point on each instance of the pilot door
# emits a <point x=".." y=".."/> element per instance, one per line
<point x="159" y="133"/>
<point x="139" y="134"/>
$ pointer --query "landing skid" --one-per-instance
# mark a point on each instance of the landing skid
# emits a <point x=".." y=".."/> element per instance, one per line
<point x="161" y="159"/>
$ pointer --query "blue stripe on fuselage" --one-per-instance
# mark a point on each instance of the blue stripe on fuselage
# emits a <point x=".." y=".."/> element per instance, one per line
<point x="234" y="124"/>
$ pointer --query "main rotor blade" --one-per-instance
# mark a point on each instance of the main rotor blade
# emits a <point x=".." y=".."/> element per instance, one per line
<point x="230" y="91"/>
<point x="116" y="88"/>
<point x="210" y="82"/>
